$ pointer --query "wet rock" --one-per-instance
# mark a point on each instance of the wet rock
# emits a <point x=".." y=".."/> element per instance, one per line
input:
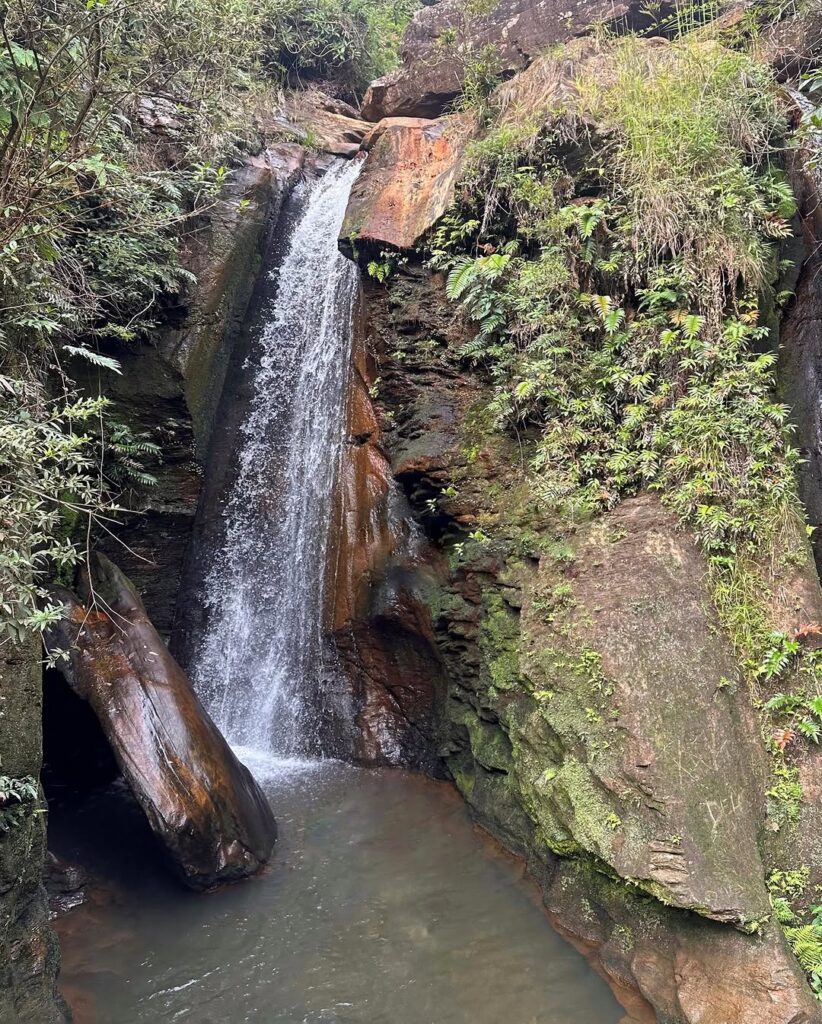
<point x="65" y="884"/>
<point x="226" y="263"/>
<point x="376" y="617"/>
<point x="203" y="805"/>
<point x="665" y="966"/>
<point x="796" y="593"/>
<point x="407" y="182"/>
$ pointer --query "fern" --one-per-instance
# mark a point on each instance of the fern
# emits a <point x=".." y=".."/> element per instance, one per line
<point x="94" y="357"/>
<point x="460" y="278"/>
<point x="602" y="304"/>
<point x="806" y="942"/>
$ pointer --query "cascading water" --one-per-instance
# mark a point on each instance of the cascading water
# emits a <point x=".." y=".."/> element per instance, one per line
<point x="383" y="904"/>
<point x="261" y="665"/>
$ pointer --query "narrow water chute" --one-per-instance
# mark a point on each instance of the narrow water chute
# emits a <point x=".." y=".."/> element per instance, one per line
<point x="261" y="664"/>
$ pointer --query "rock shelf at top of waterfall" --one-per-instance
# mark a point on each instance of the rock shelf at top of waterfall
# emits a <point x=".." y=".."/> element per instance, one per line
<point x="261" y="665"/>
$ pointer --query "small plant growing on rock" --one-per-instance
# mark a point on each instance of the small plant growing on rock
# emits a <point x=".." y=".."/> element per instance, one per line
<point x="15" y="794"/>
<point x="800" y="713"/>
<point x="806" y="942"/>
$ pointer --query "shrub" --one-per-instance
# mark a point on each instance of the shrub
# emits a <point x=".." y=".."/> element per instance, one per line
<point x="614" y="268"/>
<point x="95" y="208"/>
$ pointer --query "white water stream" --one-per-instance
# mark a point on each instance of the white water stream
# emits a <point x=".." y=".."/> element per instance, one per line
<point x="261" y="666"/>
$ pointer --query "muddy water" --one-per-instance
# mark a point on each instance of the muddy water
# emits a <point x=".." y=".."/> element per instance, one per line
<point x="383" y="906"/>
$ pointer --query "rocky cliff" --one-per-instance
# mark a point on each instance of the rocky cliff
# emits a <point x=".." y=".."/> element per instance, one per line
<point x="593" y="700"/>
<point x="587" y="705"/>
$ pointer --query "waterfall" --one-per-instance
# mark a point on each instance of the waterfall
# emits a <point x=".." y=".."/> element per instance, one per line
<point x="261" y="667"/>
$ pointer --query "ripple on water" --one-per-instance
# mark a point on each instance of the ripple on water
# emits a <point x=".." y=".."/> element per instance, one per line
<point x="383" y="905"/>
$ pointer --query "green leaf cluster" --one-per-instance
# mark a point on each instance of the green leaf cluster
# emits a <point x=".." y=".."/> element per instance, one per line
<point x="616" y="284"/>
<point x="16" y="794"/>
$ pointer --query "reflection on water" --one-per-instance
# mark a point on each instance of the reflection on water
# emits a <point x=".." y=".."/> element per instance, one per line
<point x="383" y="905"/>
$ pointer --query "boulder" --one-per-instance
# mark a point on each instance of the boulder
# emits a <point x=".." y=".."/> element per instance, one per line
<point x="202" y="804"/>
<point x="65" y="884"/>
<point x="643" y="694"/>
<point x="667" y="966"/>
<point x="322" y="122"/>
<point x="431" y="74"/>
<point x="407" y="182"/>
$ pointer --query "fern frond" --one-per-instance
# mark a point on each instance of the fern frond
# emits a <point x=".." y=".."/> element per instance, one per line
<point x="94" y="357"/>
<point x="461" y="276"/>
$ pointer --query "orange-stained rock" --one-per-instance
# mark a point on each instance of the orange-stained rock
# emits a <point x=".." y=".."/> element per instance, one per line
<point x="666" y="966"/>
<point x="203" y="805"/>
<point x="408" y="180"/>
<point x="381" y="629"/>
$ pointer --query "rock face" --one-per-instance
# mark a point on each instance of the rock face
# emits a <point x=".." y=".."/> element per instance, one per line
<point x="637" y="671"/>
<point x="378" y="625"/>
<point x="171" y="389"/>
<point x="29" y="957"/>
<point x="407" y="182"/>
<point x="588" y="705"/>
<point x="432" y="70"/>
<point x="326" y="123"/>
<point x="203" y="805"/>
<point x="669" y="967"/>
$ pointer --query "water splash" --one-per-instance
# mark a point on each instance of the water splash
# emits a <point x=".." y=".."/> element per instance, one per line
<point x="261" y="667"/>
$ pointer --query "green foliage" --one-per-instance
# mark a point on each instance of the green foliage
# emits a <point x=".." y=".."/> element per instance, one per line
<point x="798" y="713"/>
<point x="784" y="794"/>
<point x="778" y="657"/>
<point x="617" y="302"/>
<point x="786" y="887"/>
<point x="689" y="144"/>
<point x="806" y="942"/>
<point x="616" y="256"/>
<point x="385" y="265"/>
<point x="127" y="455"/>
<point x="350" y="41"/>
<point x="49" y="477"/>
<point x="16" y="795"/>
